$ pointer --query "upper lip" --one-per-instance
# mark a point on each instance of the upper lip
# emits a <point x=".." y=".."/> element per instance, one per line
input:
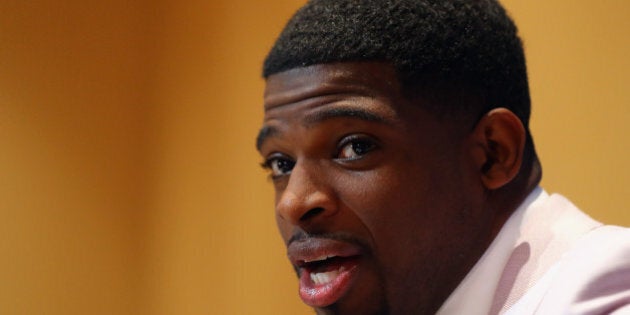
<point x="311" y="249"/>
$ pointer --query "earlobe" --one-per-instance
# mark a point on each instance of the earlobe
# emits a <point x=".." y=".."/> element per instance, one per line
<point x="500" y="136"/>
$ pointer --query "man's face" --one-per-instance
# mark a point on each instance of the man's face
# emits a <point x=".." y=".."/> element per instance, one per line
<point x="378" y="201"/>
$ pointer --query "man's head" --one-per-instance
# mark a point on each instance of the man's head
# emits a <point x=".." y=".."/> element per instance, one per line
<point x="396" y="134"/>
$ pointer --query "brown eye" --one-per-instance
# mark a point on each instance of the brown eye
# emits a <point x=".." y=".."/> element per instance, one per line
<point x="279" y="166"/>
<point x="355" y="148"/>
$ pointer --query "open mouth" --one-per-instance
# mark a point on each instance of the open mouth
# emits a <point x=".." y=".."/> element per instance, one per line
<point x="324" y="270"/>
<point x="327" y="268"/>
<point x="326" y="279"/>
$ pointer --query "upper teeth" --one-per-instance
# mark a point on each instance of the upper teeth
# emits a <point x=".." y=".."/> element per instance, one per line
<point x="320" y="278"/>
<point x="320" y="258"/>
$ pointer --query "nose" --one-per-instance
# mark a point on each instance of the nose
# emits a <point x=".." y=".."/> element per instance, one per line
<point x="308" y="196"/>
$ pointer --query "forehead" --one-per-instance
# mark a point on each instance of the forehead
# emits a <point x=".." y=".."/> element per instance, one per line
<point x="361" y="91"/>
<point x="371" y="79"/>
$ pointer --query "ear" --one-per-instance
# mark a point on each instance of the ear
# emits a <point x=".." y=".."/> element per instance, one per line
<point x="500" y="140"/>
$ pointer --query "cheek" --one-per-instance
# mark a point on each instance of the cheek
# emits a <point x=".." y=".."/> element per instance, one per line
<point x="391" y="206"/>
<point x="404" y="205"/>
<point x="390" y="202"/>
<point x="379" y="195"/>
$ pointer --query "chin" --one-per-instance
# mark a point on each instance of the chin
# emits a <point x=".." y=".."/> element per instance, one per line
<point x="340" y="308"/>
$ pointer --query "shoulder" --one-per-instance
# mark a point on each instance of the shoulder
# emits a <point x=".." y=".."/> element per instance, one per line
<point x="593" y="277"/>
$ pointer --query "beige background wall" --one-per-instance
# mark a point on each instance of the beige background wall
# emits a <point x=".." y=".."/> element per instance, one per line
<point x="130" y="182"/>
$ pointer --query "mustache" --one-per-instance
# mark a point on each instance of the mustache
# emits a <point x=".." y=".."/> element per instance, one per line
<point x="301" y="236"/>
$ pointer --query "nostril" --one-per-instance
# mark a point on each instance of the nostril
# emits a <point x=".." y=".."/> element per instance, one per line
<point x="311" y="213"/>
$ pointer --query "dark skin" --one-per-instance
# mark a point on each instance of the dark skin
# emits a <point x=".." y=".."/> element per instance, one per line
<point x="354" y="160"/>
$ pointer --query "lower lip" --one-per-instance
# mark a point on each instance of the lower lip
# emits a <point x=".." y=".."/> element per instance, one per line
<point x="323" y="295"/>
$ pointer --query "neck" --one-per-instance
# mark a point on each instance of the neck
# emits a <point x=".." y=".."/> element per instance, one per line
<point x="507" y="199"/>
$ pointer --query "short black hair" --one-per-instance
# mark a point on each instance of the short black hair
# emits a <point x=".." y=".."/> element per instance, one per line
<point x="456" y="47"/>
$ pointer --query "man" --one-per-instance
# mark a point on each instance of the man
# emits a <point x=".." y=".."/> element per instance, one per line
<point x="396" y="135"/>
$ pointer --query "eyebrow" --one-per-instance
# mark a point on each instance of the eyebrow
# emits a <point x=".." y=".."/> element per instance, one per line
<point x="265" y="133"/>
<point x="323" y="115"/>
<point x="344" y="112"/>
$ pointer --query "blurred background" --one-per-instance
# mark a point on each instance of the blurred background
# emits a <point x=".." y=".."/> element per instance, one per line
<point x="129" y="182"/>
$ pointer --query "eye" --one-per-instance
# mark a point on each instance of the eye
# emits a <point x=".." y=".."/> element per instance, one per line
<point x="355" y="147"/>
<point x="279" y="166"/>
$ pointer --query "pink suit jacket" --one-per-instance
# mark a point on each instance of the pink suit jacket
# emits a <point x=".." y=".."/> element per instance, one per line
<point x="564" y="262"/>
<point x="549" y="258"/>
